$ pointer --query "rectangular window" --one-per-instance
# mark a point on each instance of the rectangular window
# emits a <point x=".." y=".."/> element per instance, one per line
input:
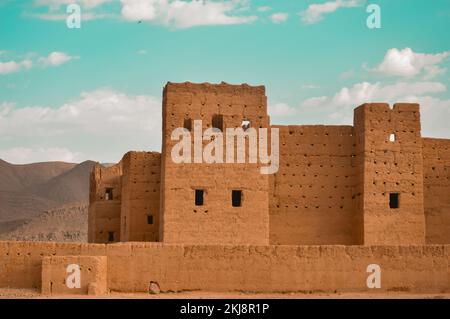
<point x="150" y="219"/>
<point x="188" y="124"/>
<point x="236" y="198"/>
<point x="199" y="197"/>
<point x="394" y="200"/>
<point x="245" y="124"/>
<point x="217" y="121"/>
<point x="110" y="236"/>
<point x="109" y="194"/>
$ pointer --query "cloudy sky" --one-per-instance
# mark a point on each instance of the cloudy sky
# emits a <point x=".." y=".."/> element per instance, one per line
<point x="95" y="92"/>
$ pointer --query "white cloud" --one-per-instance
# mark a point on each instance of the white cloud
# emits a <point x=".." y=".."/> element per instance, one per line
<point x="56" y="4"/>
<point x="53" y="59"/>
<point x="171" y="13"/>
<point x="48" y="16"/>
<point x="5" y="108"/>
<point x="315" y="12"/>
<point x="347" y="74"/>
<point x="56" y="59"/>
<point x="142" y="52"/>
<point x="185" y="14"/>
<point x="310" y="86"/>
<point x="13" y="66"/>
<point x="407" y="63"/>
<point x="85" y="16"/>
<point x="279" y="17"/>
<point x="371" y="92"/>
<point x="100" y="125"/>
<point x="57" y="9"/>
<point x="281" y="109"/>
<point x="339" y="107"/>
<point x="25" y="155"/>
<point x="264" y="9"/>
<point x="314" y="101"/>
<point x="435" y="114"/>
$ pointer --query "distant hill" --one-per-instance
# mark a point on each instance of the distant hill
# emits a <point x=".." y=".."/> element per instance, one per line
<point x="71" y="186"/>
<point x="17" y="177"/>
<point x="22" y="205"/>
<point x="61" y="224"/>
<point x="28" y="191"/>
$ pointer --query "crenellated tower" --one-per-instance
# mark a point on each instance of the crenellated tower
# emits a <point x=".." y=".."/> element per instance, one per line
<point x="389" y="207"/>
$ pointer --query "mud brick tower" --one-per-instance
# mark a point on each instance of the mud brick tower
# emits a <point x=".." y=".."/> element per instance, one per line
<point x="198" y="197"/>
<point x="141" y="178"/>
<point x="105" y="200"/>
<point x="389" y="167"/>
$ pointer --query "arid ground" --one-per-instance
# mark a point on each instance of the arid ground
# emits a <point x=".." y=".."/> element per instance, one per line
<point x="29" y="293"/>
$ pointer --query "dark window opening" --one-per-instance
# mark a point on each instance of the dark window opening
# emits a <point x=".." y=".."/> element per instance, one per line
<point x="217" y="122"/>
<point x="188" y="124"/>
<point x="236" y="198"/>
<point x="394" y="200"/>
<point x="109" y="194"/>
<point x="199" y="197"/>
<point x="110" y="236"/>
<point x="150" y="219"/>
<point x="245" y="124"/>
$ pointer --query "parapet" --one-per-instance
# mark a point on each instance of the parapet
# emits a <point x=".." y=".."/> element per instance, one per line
<point x="386" y="108"/>
<point x="221" y="88"/>
<point x="138" y="155"/>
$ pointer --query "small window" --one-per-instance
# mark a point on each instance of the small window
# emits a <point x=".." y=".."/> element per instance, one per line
<point x="110" y="236"/>
<point x="150" y="219"/>
<point x="109" y="194"/>
<point x="188" y="124"/>
<point x="199" y="197"/>
<point x="245" y="124"/>
<point x="392" y="138"/>
<point x="236" y="198"/>
<point x="394" y="200"/>
<point x="217" y="122"/>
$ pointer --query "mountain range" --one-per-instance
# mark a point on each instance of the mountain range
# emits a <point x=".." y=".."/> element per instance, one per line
<point x="43" y="201"/>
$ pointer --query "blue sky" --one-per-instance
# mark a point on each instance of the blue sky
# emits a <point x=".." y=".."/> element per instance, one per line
<point x="95" y="92"/>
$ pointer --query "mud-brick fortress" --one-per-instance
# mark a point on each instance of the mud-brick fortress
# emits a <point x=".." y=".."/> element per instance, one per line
<point x="343" y="198"/>
<point x="377" y="182"/>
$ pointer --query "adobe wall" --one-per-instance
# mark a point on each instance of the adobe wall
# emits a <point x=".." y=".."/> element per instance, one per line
<point x="92" y="271"/>
<point x="436" y="171"/>
<point x="217" y="221"/>
<point x="141" y="183"/>
<point x="277" y="268"/>
<point x="21" y="262"/>
<point x="389" y="167"/>
<point x="104" y="215"/>
<point x="281" y="268"/>
<point x="311" y="194"/>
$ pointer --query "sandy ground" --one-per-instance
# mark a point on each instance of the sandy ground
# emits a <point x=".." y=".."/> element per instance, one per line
<point x="9" y="293"/>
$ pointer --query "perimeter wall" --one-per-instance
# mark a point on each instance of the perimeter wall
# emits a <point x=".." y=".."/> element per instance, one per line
<point x="132" y="266"/>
